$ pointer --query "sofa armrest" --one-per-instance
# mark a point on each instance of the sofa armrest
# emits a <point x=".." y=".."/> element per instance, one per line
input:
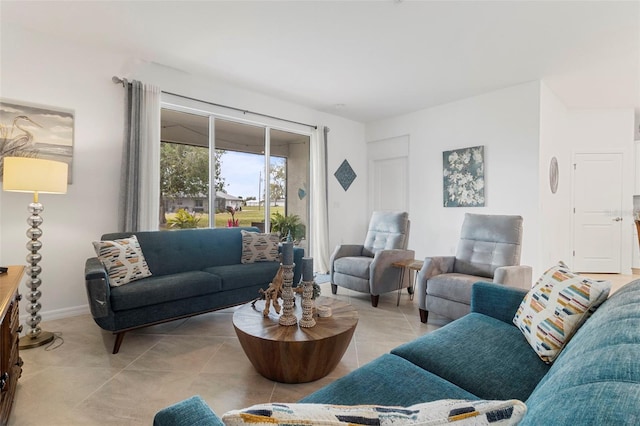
<point x="190" y="412"/>
<point x="432" y="266"/>
<point x="97" y="286"/>
<point x="496" y="300"/>
<point x="514" y="276"/>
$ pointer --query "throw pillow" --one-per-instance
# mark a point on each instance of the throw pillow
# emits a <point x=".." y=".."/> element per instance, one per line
<point x="123" y="260"/>
<point x="258" y="247"/>
<point x="443" y="412"/>
<point x="554" y="309"/>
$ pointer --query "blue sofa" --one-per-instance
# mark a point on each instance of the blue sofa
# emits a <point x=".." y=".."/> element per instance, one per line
<point x="594" y="381"/>
<point x="194" y="271"/>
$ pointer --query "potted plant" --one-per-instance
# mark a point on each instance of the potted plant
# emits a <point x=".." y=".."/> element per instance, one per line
<point x="288" y="225"/>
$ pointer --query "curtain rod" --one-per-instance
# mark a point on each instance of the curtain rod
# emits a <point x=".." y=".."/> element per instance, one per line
<point x="118" y="80"/>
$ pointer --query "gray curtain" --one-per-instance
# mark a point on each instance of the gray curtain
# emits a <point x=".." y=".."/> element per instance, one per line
<point x="140" y="178"/>
<point x="128" y="220"/>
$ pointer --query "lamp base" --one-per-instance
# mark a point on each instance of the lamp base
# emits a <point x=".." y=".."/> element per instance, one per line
<point x="28" y="342"/>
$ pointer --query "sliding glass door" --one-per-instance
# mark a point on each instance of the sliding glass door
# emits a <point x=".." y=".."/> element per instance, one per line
<point x="222" y="172"/>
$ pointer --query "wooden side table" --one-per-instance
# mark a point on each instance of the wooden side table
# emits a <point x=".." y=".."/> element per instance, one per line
<point x="292" y="354"/>
<point x="411" y="265"/>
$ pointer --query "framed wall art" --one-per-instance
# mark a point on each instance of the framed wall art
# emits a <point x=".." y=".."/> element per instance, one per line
<point x="36" y="131"/>
<point x="463" y="177"/>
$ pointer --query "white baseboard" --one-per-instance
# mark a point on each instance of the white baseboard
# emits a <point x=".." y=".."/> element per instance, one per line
<point x="57" y="313"/>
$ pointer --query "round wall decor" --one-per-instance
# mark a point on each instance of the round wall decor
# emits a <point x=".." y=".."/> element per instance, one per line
<point x="553" y="175"/>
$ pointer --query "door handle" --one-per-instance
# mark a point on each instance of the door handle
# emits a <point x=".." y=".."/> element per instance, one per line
<point x="617" y="219"/>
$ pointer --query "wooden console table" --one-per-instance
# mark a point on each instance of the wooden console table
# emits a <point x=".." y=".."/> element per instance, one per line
<point x="292" y="354"/>
<point x="10" y="361"/>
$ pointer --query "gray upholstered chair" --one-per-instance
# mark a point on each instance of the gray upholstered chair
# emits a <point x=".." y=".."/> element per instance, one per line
<point x="367" y="267"/>
<point x="489" y="250"/>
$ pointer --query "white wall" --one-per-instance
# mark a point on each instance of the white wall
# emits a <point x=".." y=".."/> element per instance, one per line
<point x="45" y="71"/>
<point x="506" y="122"/>
<point x="555" y="209"/>
<point x="39" y="70"/>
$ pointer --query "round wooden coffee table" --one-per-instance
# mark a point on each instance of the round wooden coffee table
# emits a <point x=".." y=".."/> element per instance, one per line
<point x="293" y="354"/>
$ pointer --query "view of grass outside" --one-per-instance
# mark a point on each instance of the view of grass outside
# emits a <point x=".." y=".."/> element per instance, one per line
<point x="245" y="217"/>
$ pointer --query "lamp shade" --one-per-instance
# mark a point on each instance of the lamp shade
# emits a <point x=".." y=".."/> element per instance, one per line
<point x="22" y="174"/>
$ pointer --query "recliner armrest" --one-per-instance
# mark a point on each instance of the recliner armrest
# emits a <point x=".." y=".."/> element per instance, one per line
<point x="383" y="277"/>
<point x="519" y="276"/>
<point x="433" y="266"/>
<point x="436" y="265"/>
<point x="496" y="300"/>
<point x="387" y="257"/>
<point x="346" y="250"/>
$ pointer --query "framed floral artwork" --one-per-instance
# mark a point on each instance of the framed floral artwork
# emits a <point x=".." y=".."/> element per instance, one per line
<point x="463" y="177"/>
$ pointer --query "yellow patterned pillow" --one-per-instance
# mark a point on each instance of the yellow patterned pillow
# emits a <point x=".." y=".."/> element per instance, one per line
<point x="443" y="412"/>
<point x="554" y="309"/>
<point x="258" y="247"/>
<point x="123" y="260"/>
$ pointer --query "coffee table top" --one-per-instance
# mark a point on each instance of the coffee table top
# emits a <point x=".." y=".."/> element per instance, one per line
<point x="250" y="321"/>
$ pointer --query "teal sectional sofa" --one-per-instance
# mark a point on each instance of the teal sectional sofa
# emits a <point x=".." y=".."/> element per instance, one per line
<point x="594" y="381"/>
<point x="193" y="271"/>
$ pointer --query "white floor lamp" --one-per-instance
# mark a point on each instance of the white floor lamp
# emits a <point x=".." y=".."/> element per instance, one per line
<point x="38" y="176"/>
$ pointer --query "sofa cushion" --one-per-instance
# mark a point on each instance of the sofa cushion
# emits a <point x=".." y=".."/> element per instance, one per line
<point x="388" y="380"/>
<point x="245" y="275"/>
<point x="477" y="353"/>
<point x="556" y="306"/>
<point x="123" y="260"/>
<point x="441" y="412"/>
<point x="598" y="370"/>
<point x="257" y="247"/>
<point x="167" y="288"/>
<point x="456" y="287"/>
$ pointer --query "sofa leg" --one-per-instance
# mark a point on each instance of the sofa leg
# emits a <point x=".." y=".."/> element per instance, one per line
<point x="334" y="288"/>
<point x="423" y="315"/>
<point x="116" y="345"/>
<point x="374" y="300"/>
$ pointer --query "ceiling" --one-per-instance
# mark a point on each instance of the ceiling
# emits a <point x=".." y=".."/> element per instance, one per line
<point x="368" y="60"/>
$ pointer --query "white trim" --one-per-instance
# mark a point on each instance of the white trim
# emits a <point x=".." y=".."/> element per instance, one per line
<point x="59" y="314"/>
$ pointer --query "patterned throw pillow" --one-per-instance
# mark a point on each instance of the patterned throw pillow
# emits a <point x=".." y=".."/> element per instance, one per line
<point x="554" y="309"/>
<point x="259" y="247"/>
<point x="443" y="412"/>
<point x="123" y="260"/>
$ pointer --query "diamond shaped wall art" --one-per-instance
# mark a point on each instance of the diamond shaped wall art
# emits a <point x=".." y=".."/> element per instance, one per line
<point x="345" y="175"/>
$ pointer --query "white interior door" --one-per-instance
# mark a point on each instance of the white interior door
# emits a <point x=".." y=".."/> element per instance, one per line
<point x="597" y="224"/>
<point x="388" y="175"/>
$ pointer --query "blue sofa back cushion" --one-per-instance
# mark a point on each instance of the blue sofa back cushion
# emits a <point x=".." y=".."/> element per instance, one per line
<point x="600" y="364"/>
<point x="170" y="252"/>
<point x="494" y="351"/>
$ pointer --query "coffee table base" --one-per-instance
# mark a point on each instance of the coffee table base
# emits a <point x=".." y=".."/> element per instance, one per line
<point x="293" y="354"/>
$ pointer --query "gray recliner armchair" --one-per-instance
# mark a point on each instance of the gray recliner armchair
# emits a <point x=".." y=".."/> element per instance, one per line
<point x="366" y="268"/>
<point x="489" y="250"/>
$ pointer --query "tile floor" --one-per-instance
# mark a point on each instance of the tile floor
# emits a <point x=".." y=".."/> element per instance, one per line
<point x="81" y="383"/>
